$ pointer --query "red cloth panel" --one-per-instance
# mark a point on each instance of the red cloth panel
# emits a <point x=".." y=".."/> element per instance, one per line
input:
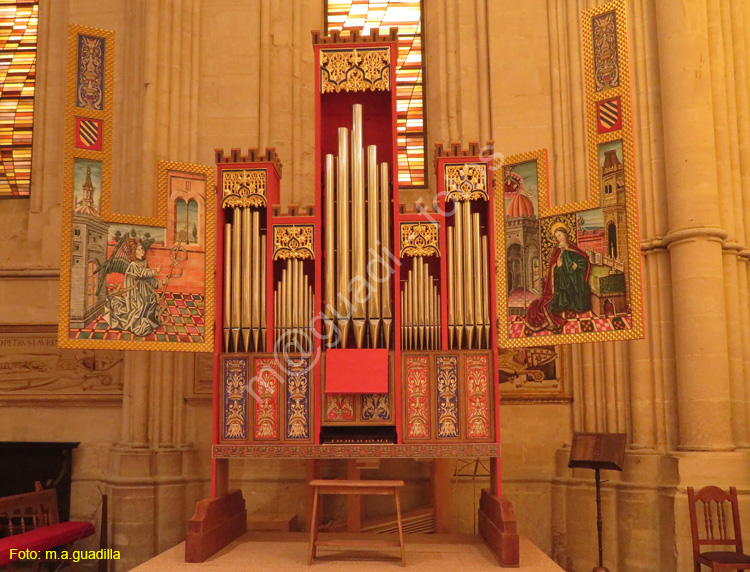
<point x="45" y="538"/>
<point x="357" y="371"/>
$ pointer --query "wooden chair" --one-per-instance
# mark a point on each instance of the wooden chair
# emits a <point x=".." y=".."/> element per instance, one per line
<point x="718" y="530"/>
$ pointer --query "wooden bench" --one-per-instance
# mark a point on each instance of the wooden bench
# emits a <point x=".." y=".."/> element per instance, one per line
<point x="30" y="522"/>
<point x="346" y="487"/>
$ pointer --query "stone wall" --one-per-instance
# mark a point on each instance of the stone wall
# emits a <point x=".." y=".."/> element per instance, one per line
<point x="193" y="75"/>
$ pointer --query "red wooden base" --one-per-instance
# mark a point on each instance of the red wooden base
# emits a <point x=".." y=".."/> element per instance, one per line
<point x="216" y="523"/>
<point x="497" y="525"/>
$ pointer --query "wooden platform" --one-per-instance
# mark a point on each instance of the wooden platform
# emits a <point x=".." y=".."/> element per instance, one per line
<point x="275" y="552"/>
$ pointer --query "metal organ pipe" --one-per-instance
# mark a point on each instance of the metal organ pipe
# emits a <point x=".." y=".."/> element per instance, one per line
<point x="385" y="255"/>
<point x="330" y="230"/>
<point x="373" y="244"/>
<point x="227" y="321"/>
<point x="359" y="289"/>
<point x="236" y="278"/>
<point x="342" y="235"/>
<point x="357" y="244"/>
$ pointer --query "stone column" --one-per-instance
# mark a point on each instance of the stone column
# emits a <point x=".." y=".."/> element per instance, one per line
<point x="695" y="236"/>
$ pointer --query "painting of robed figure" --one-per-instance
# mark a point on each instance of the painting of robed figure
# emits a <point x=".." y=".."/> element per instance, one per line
<point x="139" y="282"/>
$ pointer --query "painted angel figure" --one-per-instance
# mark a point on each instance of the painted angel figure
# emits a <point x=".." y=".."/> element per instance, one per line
<point x="135" y="306"/>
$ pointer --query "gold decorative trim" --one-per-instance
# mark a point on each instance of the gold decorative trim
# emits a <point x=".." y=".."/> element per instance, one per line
<point x="466" y="182"/>
<point x="420" y="239"/>
<point x="293" y="241"/>
<point x="355" y="69"/>
<point x="244" y="187"/>
<point x="594" y="139"/>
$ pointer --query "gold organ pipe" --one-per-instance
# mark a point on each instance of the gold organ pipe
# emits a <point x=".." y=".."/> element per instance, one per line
<point x="421" y="301"/>
<point x="263" y="323"/>
<point x="385" y="254"/>
<point x="342" y="226"/>
<point x="486" y="290"/>
<point x="437" y="317"/>
<point x="304" y="301"/>
<point x="476" y="245"/>
<point x="458" y="271"/>
<point x="330" y="230"/>
<point x="283" y="306"/>
<point x="227" y="321"/>
<point x="359" y="313"/>
<point x="288" y="296"/>
<point x="236" y="278"/>
<point x="255" y="284"/>
<point x="468" y="293"/>
<point x="373" y="231"/>
<point x="451" y="289"/>
<point x="296" y="299"/>
<point x="246" y="250"/>
<point x="276" y="312"/>
<point x="310" y="328"/>
<point x="410" y="302"/>
<point x="405" y="320"/>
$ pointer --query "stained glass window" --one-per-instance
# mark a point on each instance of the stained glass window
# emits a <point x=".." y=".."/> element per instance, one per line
<point x="18" y="37"/>
<point x="407" y="15"/>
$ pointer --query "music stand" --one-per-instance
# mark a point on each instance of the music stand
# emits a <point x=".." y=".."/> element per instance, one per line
<point x="598" y="451"/>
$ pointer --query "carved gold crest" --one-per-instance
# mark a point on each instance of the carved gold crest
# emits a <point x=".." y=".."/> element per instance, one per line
<point x="420" y="239"/>
<point x="293" y="241"/>
<point x="243" y="188"/>
<point x="355" y="70"/>
<point x="466" y="182"/>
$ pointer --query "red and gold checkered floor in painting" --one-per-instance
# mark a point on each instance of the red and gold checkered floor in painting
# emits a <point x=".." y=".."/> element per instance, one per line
<point x="184" y="323"/>
<point x="576" y="323"/>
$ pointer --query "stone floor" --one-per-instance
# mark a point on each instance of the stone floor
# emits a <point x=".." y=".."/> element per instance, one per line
<point x="273" y="552"/>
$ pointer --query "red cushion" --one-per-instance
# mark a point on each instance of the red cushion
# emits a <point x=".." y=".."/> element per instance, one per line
<point x="44" y="538"/>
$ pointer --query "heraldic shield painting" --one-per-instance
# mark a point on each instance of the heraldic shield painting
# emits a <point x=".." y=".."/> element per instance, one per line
<point x="571" y="273"/>
<point x="128" y="282"/>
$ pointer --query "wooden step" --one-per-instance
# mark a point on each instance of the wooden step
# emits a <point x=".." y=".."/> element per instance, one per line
<point x="343" y="543"/>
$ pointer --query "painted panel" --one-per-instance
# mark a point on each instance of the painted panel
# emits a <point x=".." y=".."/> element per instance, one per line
<point x="477" y="396"/>
<point x="235" y="399"/>
<point x="298" y="399"/>
<point x="267" y="401"/>
<point x="339" y="407"/>
<point x="446" y="369"/>
<point x="571" y="273"/>
<point x="417" y="398"/>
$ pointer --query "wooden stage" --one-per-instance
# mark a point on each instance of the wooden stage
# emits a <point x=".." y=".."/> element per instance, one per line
<point x="283" y="552"/>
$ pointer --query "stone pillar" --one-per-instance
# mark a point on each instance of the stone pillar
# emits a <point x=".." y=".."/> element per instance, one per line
<point x="695" y="236"/>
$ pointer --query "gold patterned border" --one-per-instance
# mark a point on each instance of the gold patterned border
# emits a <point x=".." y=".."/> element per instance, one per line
<point x="293" y="241"/>
<point x="355" y="69"/>
<point x="465" y="182"/>
<point x="244" y="187"/>
<point x="420" y="239"/>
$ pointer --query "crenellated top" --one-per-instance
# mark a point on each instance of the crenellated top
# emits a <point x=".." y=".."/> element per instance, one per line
<point x="355" y="37"/>
<point x="252" y="156"/>
<point x="454" y="150"/>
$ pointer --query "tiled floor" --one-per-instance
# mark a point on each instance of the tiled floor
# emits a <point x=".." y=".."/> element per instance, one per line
<point x="576" y="323"/>
<point x="184" y="323"/>
<point x="272" y="552"/>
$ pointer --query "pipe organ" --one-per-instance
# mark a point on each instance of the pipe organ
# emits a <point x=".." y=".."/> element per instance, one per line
<point x="357" y="321"/>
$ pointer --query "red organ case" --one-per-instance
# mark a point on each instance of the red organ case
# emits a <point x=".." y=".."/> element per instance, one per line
<point x="358" y="327"/>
